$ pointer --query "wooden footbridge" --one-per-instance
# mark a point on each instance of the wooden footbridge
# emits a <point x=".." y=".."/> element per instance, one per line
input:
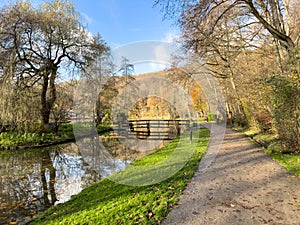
<point x="151" y="129"/>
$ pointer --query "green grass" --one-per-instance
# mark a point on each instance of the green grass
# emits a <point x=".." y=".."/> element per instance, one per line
<point x="108" y="202"/>
<point x="291" y="162"/>
<point x="12" y="139"/>
<point x="65" y="132"/>
<point x="263" y="139"/>
<point x="273" y="147"/>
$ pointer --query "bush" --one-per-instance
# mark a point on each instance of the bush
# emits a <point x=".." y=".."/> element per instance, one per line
<point x="13" y="139"/>
<point x="264" y="120"/>
<point x="241" y="122"/>
<point x="286" y="111"/>
<point x="211" y="117"/>
<point x="65" y="128"/>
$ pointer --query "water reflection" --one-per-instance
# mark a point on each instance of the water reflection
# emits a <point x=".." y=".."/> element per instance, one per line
<point x="33" y="180"/>
<point x="27" y="184"/>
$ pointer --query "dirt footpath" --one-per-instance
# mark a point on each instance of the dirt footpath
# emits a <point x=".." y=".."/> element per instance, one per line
<point x="243" y="186"/>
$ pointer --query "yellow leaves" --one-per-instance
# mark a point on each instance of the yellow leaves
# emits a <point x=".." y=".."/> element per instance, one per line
<point x="59" y="11"/>
<point x="269" y="88"/>
<point x="295" y="77"/>
<point x="197" y="98"/>
<point x="25" y="6"/>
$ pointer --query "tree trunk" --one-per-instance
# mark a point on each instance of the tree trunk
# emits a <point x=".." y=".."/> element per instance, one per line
<point x="48" y="95"/>
<point x="274" y="29"/>
<point x="45" y="109"/>
<point x="48" y="187"/>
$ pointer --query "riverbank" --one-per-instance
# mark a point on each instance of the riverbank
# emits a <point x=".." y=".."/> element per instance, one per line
<point x="65" y="134"/>
<point x="108" y="202"/>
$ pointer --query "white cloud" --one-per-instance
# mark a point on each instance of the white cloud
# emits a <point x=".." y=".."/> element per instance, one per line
<point x="86" y="18"/>
<point x="161" y="53"/>
<point x="170" y="36"/>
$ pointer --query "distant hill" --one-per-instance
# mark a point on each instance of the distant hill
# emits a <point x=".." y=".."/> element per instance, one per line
<point x="147" y="107"/>
<point x="156" y="107"/>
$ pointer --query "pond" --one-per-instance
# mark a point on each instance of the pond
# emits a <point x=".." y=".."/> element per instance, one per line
<point x="33" y="180"/>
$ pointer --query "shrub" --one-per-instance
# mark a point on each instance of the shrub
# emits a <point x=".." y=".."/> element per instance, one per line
<point x="286" y="111"/>
<point x="65" y="128"/>
<point x="264" y="120"/>
<point x="211" y="117"/>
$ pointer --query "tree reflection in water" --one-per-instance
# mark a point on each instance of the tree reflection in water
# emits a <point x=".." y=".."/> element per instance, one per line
<point x="47" y="168"/>
<point x="33" y="180"/>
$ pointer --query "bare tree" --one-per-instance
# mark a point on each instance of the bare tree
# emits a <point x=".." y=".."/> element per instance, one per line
<point x="238" y="39"/>
<point x="272" y="15"/>
<point x="42" y="41"/>
<point x="126" y="67"/>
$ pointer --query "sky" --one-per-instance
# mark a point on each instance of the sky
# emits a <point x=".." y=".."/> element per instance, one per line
<point x="122" y="22"/>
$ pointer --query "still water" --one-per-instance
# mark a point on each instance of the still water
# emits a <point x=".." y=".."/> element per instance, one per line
<point x="33" y="180"/>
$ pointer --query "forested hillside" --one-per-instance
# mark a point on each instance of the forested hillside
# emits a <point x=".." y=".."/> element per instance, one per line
<point x="252" y="46"/>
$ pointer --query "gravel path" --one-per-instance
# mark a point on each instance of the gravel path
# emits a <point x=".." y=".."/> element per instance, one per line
<point x="242" y="186"/>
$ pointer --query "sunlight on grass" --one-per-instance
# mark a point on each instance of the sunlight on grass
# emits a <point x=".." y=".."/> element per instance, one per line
<point x="273" y="147"/>
<point x="291" y="162"/>
<point x="107" y="202"/>
<point x="160" y="165"/>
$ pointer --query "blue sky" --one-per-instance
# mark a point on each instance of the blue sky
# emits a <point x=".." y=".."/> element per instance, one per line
<point x="124" y="21"/>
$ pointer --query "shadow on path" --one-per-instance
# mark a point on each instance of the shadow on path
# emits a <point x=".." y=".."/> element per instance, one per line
<point x="240" y="185"/>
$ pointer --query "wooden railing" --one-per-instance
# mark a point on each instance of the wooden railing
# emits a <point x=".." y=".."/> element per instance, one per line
<point x="151" y="129"/>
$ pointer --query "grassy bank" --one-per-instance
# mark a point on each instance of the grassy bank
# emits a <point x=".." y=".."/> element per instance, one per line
<point x="12" y="140"/>
<point x="272" y="146"/>
<point x="107" y="202"/>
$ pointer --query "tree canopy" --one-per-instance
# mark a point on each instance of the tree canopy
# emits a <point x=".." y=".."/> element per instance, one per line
<point x="38" y="43"/>
<point x="253" y="45"/>
<point x="205" y="23"/>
